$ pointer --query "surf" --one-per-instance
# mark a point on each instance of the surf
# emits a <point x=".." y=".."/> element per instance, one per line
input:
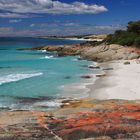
<point x="17" y="77"/>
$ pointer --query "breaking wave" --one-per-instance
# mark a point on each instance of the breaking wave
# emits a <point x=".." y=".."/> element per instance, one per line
<point x="17" y="77"/>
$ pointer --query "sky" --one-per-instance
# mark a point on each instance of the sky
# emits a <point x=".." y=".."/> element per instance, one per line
<point x="65" y="17"/>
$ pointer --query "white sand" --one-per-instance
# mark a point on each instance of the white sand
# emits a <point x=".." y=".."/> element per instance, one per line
<point x="83" y="39"/>
<point x="122" y="83"/>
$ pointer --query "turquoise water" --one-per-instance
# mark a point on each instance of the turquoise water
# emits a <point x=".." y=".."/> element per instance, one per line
<point x="34" y="78"/>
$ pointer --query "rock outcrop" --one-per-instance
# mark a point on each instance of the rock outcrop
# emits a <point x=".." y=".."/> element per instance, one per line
<point x="101" y="53"/>
<point x="105" y="53"/>
<point x="62" y="50"/>
<point x="85" y="119"/>
<point x="107" y="120"/>
<point x="94" y="120"/>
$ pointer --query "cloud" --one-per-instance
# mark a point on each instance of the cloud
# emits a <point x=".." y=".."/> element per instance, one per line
<point x="6" y="31"/>
<point x="15" y="20"/>
<point x="79" y="29"/>
<point x="20" y="8"/>
<point x="32" y="25"/>
<point x="110" y="27"/>
<point x="44" y="29"/>
<point x="55" y="24"/>
<point x="12" y="15"/>
<point x="76" y="26"/>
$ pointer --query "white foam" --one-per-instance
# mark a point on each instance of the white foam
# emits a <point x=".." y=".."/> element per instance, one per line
<point x="48" y="104"/>
<point x="44" y="51"/>
<point x="47" y="57"/>
<point x="17" y="77"/>
<point x="75" y="59"/>
<point x="78" y="90"/>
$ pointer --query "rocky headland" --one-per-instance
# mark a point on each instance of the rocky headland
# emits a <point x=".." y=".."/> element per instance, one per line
<point x="105" y="115"/>
<point x="91" y="37"/>
<point x="101" y="53"/>
<point x="104" y="53"/>
<point x="82" y="120"/>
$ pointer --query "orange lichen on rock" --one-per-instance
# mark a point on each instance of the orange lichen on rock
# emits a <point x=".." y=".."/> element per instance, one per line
<point x="134" y="107"/>
<point x="134" y="50"/>
<point x="132" y="115"/>
<point x="41" y="118"/>
<point x="77" y="122"/>
<point x="107" y="119"/>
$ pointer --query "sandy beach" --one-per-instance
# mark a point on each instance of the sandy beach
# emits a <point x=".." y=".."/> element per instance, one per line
<point x="120" y="83"/>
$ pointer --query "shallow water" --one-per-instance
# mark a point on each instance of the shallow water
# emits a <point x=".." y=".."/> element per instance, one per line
<point x="36" y="76"/>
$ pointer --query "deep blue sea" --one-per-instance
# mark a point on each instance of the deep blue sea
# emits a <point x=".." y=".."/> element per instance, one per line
<point x="36" y="79"/>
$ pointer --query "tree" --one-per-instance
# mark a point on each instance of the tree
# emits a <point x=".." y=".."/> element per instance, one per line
<point x="134" y="26"/>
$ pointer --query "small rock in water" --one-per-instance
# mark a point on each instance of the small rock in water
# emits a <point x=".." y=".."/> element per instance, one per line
<point x="100" y="75"/>
<point x="126" y="63"/>
<point x="67" y="77"/>
<point x="107" y="68"/>
<point x="94" y="67"/>
<point x="66" y="101"/>
<point x="84" y="65"/>
<point x="5" y="108"/>
<point x="5" y="67"/>
<point x="86" y="76"/>
<point x="64" y="105"/>
<point x="80" y="58"/>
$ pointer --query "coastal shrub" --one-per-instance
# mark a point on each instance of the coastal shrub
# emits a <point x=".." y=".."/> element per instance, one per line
<point x="134" y="26"/>
<point x="92" y="43"/>
<point x="137" y="42"/>
<point x="121" y="38"/>
<point x="128" y="37"/>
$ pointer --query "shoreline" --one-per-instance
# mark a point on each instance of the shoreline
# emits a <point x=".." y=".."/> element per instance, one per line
<point x="87" y="116"/>
<point x="84" y="38"/>
<point x="95" y="88"/>
<point x="81" y="39"/>
<point x="101" y="82"/>
<point x="103" y="52"/>
<point x="105" y="114"/>
<point x="117" y="82"/>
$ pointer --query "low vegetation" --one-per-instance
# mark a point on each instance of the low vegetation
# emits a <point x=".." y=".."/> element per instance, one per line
<point x="129" y="37"/>
<point x="91" y="43"/>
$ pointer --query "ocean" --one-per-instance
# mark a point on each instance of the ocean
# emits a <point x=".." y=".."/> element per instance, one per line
<point x="37" y="80"/>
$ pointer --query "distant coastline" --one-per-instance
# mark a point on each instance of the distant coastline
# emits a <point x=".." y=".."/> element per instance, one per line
<point x="78" y="37"/>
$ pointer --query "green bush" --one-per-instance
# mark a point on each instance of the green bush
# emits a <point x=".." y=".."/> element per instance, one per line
<point x="137" y="42"/>
<point x="134" y="26"/>
<point x="122" y="38"/>
<point x="129" y="37"/>
<point x="92" y="43"/>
